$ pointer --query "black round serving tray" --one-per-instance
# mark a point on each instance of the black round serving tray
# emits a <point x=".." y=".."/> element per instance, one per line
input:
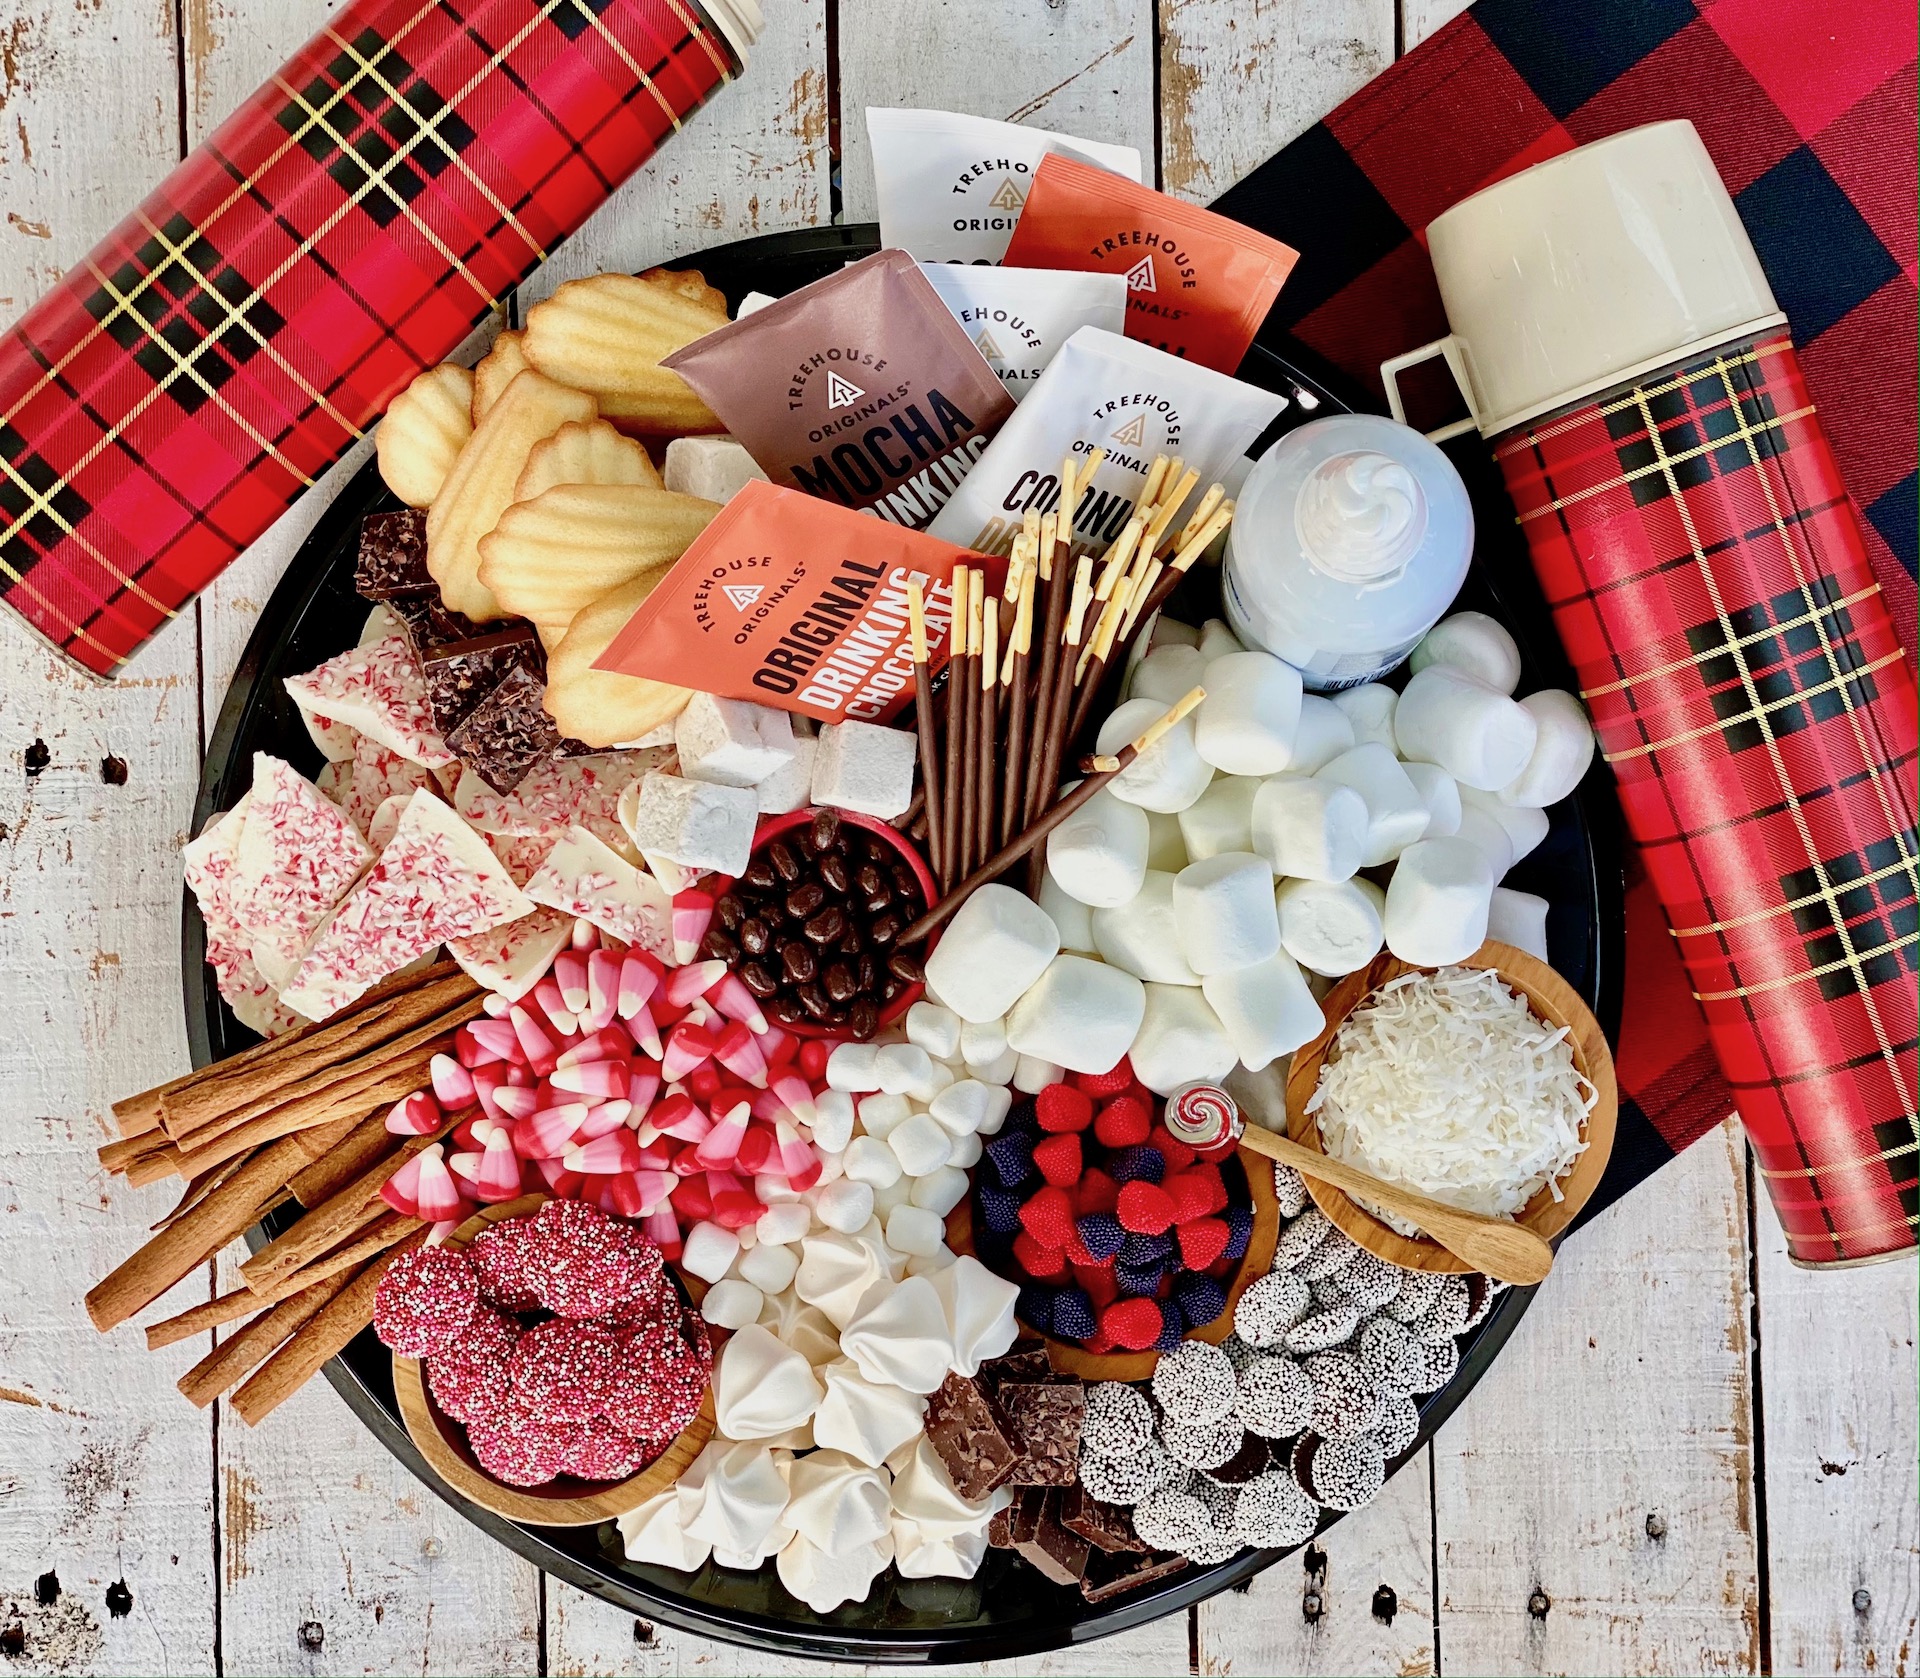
<point x="1006" y="1609"/>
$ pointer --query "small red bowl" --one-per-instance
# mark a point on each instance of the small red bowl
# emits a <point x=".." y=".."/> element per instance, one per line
<point x="774" y="826"/>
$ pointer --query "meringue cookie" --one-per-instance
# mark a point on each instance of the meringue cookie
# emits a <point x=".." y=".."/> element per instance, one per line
<point x="977" y="1307"/>
<point x="653" y="1533"/>
<point x="917" y="1556"/>
<point x="898" y="1333"/>
<point x="836" y="1271"/>
<point x="824" y="1582"/>
<point x="924" y="1496"/>
<point x="761" y="1387"/>
<point x="744" y="1493"/>
<point x="868" y="1420"/>
<point x="801" y="1328"/>
<point x="836" y="1503"/>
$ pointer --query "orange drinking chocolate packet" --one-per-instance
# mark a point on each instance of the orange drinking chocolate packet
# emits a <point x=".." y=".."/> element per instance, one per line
<point x="1198" y="285"/>
<point x="792" y="602"/>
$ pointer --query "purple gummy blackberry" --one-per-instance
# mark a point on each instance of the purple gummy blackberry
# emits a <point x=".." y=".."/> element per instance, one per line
<point x="999" y="1210"/>
<point x="1239" y="1231"/>
<point x="1145" y="1252"/>
<point x="1138" y="1164"/>
<point x="1034" y="1307"/>
<point x="1073" y="1317"/>
<point x="1173" y="1326"/>
<point x="1011" y="1156"/>
<point x="1023" y="1116"/>
<point x="1101" y="1234"/>
<point x="1201" y="1298"/>
<point x="1137" y="1284"/>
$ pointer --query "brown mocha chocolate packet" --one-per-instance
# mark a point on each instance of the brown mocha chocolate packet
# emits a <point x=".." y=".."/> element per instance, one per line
<point x="861" y="388"/>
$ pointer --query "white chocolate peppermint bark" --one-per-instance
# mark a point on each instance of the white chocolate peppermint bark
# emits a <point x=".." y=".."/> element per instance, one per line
<point x="378" y="773"/>
<point x="557" y="794"/>
<point x="335" y="739"/>
<point x="379" y="691"/>
<point x="511" y="959"/>
<point x="335" y="780"/>
<point x="255" y="1003"/>
<point x="521" y="854"/>
<point x="584" y="877"/>
<point x="435" y="880"/>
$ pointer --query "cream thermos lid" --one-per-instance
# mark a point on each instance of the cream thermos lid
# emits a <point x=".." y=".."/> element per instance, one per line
<point x="1591" y="269"/>
<point x="739" y="20"/>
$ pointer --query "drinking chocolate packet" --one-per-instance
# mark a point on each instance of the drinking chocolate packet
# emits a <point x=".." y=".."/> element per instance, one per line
<point x="1198" y="285"/>
<point x="951" y="187"/>
<point x="1103" y="391"/>
<point x="795" y="603"/>
<point x="1019" y="317"/>
<point x="860" y="388"/>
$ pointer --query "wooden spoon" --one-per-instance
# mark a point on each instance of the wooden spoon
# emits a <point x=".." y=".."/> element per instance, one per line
<point x="1508" y="1252"/>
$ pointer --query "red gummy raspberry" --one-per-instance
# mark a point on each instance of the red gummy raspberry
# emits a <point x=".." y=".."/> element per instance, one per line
<point x="1099" y="1345"/>
<point x="1048" y="1216"/>
<point x="1062" y="1107"/>
<point x="1075" y="1251"/>
<point x="1191" y="1196"/>
<point x="1097" y="1192"/>
<point x="1102" y="1286"/>
<point x="1043" y="1264"/>
<point x="1116" y="1078"/>
<point x="1132" y="1323"/>
<point x="1059" y="1160"/>
<point x="1122" y="1122"/>
<point x="1176" y="1153"/>
<point x="1145" y="1209"/>
<point x="1201" y="1242"/>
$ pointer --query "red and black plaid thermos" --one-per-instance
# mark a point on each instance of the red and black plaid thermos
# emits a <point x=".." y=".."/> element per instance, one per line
<point x="1619" y="346"/>
<point x="349" y="225"/>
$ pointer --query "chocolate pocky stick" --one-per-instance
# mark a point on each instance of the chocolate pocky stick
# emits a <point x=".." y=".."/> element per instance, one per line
<point x="861" y="389"/>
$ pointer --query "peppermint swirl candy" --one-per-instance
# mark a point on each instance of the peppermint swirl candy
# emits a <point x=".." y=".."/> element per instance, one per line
<point x="1201" y="1114"/>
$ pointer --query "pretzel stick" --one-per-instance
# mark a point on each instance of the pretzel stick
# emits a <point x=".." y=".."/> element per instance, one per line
<point x="1013" y="678"/>
<point x="923" y="719"/>
<point x="235" y="1357"/>
<point x="1053" y="572"/>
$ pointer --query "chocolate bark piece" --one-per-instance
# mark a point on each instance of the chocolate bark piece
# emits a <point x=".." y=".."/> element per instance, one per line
<point x="444" y="624"/>
<point x="1043" y="1420"/>
<point x="1110" y="1574"/>
<point x="1027" y="1361"/>
<point x="508" y="733"/>
<point x="969" y="1438"/>
<point x="392" y="561"/>
<point x="460" y="674"/>
<point x="1106" y="1526"/>
<point x="1058" y="1554"/>
<point x="1019" y="1521"/>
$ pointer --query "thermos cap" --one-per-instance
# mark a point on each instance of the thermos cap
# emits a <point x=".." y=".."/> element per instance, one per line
<point x="1593" y="268"/>
<point x="740" y="21"/>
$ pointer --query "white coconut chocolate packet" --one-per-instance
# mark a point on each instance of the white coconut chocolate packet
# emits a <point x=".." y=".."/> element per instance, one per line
<point x="1103" y="391"/>
<point x="952" y="186"/>
<point x="1019" y="317"/>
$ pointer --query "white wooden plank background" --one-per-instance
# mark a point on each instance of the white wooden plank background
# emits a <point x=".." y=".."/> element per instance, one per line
<point x="1691" y="1458"/>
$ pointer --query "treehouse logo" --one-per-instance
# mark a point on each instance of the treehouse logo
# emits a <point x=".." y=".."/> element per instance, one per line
<point x="743" y="595"/>
<point x="987" y="347"/>
<point x="1008" y="197"/>
<point x="1140" y="276"/>
<point x="842" y="393"/>
<point x="1132" y="434"/>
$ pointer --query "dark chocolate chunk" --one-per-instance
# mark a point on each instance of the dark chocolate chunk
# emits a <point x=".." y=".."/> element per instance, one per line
<point x="392" y="560"/>
<point x="462" y="673"/>
<point x="508" y="732"/>
<point x="1043" y="1420"/>
<point x="1110" y="1574"/>
<point x="1106" y="1526"/>
<point x="1055" y="1552"/>
<point x="969" y="1438"/>
<point x="1027" y="1361"/>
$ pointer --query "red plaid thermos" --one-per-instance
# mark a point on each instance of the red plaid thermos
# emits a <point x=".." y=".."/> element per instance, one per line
<point x="1618" y="345"/>
<point x="349" y="225"/>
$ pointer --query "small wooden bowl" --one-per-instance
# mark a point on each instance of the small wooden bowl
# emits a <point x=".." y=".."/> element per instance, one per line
<point x="1553" y="1000"/>
<point x="1065" y="1356"/>
<point x="565" y="1502"/>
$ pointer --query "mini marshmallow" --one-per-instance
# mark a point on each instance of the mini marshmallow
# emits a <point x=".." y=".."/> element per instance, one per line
<point x="931" y="1264"/>
<point x="1221" y="819"/>
<point x="1331" y="927"/>
<point x="998" y="1071"/>
<point x="1170" y="774"/>
<point x="968" y="1149"/>
<point x="915" y="1230"/>
<point x="790" y="787"/>
<point x="1396" y="813"/>
<point x="862" y="766"/>
<point x="709" y="1251"/>
<point x="1181" y="1039"/>
<point x="1440" y="792"/>
<point x="869" y="1160"/>
<point x="1523" y="825"/>
<point x="896" y="1193"/>
<point x="903" y="1067"/>
<point x="997" y="944"/>
<point x="779" y="1226"/>
<point x="940" y="1191"/>
<point x="731" y="742"/>
<point x="972" y="1106"/>
<point x="1310" y="829"/>
<point x="1246" y="724"/>
<point x="880" y="1113"/>
<point x="1071" y="918"/>
<point x="1078" y="1014"/>
<point x="1520" y="919"/>
<point x="920" y="1144"/>
<point x="1217" y="640"/>
<point x="1167" y="673"/>
<point x="1476" y="733"/>
<point x="1098" y="853"/>
<point x="1143" y="936"/>
<point x="1166" y="844"/>
<point x="713" y="468"/>
<point x="695" y="823"/>
<point x="981" y="1042"/>
<point x="770" y="1266"/>
<point x="1562" y="750"/>
<point x="1031" y="1075"/>
<point x="731" y="1303"/>
<point x="1224" y="909"/>
<point x="1370" y="709"/>
<point x="1437" y="902"/>
<point x="1475" y="643"/>
<point x="1171" y="632"/>
<point x="832" y="1120"/>
<point x="934" y="1029"/>
<point x="844" y="1205"/>
<point x="1324" y="732"/>
<point x="1266" y="1010"/>
<point x="854" y="1066"/>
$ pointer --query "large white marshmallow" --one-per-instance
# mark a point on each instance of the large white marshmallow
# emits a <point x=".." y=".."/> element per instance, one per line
<point x="1171" y="632"/>
<point x="1217" y="640"/>
<point x="1522" y="825"/>
<point x="1370" y="709"/>
<point x="997" y="944"/>
<point x="1266" y="1010"/>
<point x="732" y="742"/>
<point x="1143" y="937"/>
<point x="1071" y="918"/>
<point x="1224" y="908"/>
<point x="1181" y="1039"/>
<point x="1324" y="732"/>
<point x="1220" y="819"/>
<point x="1166" y="844"/>
<point x="1561" y="752"/>
<point x="1080" y="1014"/>
<point x="1437" y="902"/>
<point x="862" y="766"/>
<point x="1331" y="927"/>
<point x="1246" y="724"/>
<point x="1170" y="774"/>
<point x="1168" y="673"/>
<point x="1396" y="813"/>
<point x="1475" y="643"/>
<point x="1099" y="853"/>
<point x="1310" y="829"/>
<point x="1440" y="792"/>
<point x="1476" y="733"/>
<point x="1520" y="919"/>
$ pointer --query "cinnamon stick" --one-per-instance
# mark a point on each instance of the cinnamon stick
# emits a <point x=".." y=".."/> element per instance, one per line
<point x="923" y="718"/>
<point x="235" y="1357"/>
<point x="322" y="1178"/>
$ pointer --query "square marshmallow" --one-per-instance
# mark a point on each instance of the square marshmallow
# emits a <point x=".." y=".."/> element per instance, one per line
<point x="1079" y="1014"/>
<point x="861" y="766"/>
<point x="732" y="742"/>
<point x="695" y="823"/>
